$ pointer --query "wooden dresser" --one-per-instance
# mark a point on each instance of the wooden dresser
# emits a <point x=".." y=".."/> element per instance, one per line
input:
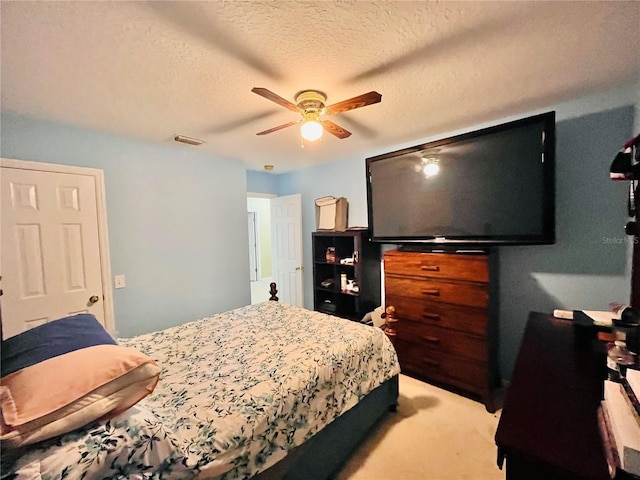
<point x="444" y="307"/>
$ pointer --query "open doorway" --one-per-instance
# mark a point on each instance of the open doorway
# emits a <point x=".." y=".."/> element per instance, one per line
<point x="259" y="228"/>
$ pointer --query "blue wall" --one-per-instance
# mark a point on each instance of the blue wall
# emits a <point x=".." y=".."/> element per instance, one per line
<point x="262" y="182"/>
<point x="176" y="220"/>
<point x="587" y="268"/>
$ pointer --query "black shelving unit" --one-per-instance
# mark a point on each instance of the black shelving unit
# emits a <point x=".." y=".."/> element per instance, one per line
<point x="328" y="295"/>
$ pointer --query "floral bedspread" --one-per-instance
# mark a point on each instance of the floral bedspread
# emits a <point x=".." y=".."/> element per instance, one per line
<point x="237" y="391"/>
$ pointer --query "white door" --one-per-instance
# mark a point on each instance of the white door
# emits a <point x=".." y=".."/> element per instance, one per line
<point x="51" y="259"/>
<point x="286" y="234"/>
<point x="253" y="247"/>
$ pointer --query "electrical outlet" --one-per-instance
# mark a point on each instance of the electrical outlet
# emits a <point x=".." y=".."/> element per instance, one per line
<point x="118" y="281"/>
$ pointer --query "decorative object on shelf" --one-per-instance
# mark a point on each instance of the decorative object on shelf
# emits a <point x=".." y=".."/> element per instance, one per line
<point x="327" y="283"/>
<point x="331" y="213"/>
<point x="343" y="282"/>
<point x="331" y="255"/>
<point x="328" y="307"/>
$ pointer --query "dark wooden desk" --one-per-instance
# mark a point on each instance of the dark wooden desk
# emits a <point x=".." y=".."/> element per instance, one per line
<point x="548" y="428"/>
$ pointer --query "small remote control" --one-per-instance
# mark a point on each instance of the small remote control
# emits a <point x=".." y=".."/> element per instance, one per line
<point x="566" y="314"/>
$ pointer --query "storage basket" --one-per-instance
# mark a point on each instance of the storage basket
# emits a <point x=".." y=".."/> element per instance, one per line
<point x="331" y="213"/>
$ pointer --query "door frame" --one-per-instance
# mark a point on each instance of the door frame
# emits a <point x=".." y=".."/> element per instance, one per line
<point x="101" y="212"/>
<point x="256" y="243"/>
<point x="267" y="196"/>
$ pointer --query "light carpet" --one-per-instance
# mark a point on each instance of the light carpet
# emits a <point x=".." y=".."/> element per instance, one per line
<point x="434" y="435"/>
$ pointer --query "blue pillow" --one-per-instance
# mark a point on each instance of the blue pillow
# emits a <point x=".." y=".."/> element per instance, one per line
<point x="52" y="339"/>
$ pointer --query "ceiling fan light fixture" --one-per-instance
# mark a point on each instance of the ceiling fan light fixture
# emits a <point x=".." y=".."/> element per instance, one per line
<point x="431" y="167"/>
<point x="311" y="105"/>
<point x="311" y="130"/>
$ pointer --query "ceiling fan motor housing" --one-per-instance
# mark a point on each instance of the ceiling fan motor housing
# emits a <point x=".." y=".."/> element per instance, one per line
<point x="311" y="100"/>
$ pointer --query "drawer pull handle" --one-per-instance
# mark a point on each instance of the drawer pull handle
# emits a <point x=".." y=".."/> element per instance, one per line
<point x="431" y="291"/>
<point x="431" y="339"/>
<point x="432" y="316"/>
<point x="433" y="363"/>
<point x="430" y="268"/>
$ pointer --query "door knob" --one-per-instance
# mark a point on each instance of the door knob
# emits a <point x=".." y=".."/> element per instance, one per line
<point x="93" y="299"/>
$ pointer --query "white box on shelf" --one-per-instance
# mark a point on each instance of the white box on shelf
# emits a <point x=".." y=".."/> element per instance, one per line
<point x="331" y="213"/>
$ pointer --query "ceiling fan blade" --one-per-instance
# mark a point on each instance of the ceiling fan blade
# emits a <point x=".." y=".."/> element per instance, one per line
<point x="269" y="95"/>
<point x="334" y="129"/>
<point x="355" y="102"/>
<point x="279" y="127"/>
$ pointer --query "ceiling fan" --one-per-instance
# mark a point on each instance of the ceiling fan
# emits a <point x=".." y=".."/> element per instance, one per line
<point x="310" y="104"/>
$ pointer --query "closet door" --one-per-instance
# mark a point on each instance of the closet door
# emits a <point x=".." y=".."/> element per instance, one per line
<point x="50" y="259"/>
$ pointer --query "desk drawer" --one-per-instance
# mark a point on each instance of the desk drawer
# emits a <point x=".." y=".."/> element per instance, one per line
<point x="473" y="268"/>
<point x="469" y="294"/>
<point x="428" y="312"/>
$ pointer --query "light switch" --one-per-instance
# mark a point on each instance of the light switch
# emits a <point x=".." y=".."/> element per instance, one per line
<point x="118" y="281"/>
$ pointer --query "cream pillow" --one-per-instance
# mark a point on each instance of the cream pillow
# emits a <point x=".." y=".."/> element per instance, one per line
<point x="65" y="374"/>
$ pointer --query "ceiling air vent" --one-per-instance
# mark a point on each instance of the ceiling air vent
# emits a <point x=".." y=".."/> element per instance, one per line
<point x="188" y="140"/>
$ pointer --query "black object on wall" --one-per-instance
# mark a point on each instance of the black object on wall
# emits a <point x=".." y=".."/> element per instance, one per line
<point x="494" y="186"/>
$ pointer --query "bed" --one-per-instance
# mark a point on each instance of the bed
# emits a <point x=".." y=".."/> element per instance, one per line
<point x="266" y="391"/>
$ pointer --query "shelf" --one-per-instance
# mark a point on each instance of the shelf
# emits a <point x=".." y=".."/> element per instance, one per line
<point x="325" y="289"/>
<point x="365" y="272"/>
<point x="351" y="294"/>
<point x="335" y="264"/>
<point x="331" y="290"/>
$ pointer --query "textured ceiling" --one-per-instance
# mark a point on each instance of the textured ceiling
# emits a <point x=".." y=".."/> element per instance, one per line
<point x="154" y="69"/>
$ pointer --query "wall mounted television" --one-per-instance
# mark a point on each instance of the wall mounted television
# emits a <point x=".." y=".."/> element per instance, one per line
<point x="490" y="187"/>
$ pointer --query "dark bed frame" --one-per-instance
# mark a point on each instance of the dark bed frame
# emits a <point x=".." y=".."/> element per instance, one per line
<point x="323" y="455"/>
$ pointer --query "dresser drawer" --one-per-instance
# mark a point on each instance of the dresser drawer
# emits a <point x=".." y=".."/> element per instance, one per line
<point x="422" y="362"/>
<point x="472" y="268"/>
<point x="465" y="319"/>
<point x="437" y="340"/>
<point x="469" y="294"/>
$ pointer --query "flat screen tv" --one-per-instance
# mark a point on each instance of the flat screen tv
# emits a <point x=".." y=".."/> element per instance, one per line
<point x="490" y="187"/>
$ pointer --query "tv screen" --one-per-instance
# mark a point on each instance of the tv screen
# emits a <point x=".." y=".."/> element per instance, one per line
<point x="494" y="186"/>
